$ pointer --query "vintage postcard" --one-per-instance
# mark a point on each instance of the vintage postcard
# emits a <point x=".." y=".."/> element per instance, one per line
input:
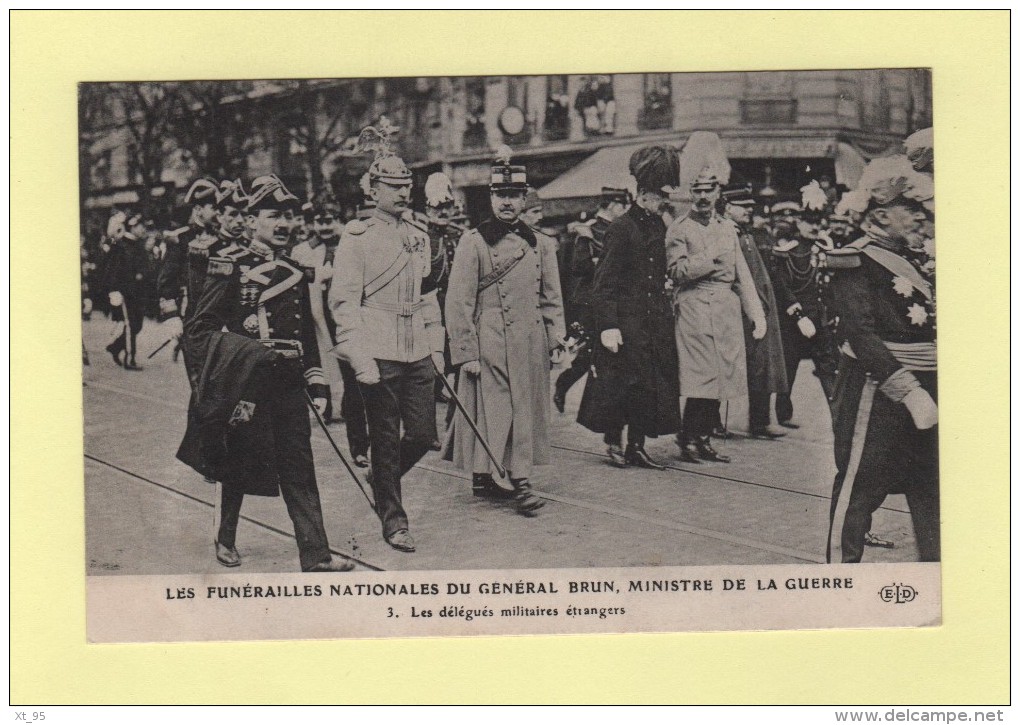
<point x="397" y="333"/>
<point x="638" y="352"/>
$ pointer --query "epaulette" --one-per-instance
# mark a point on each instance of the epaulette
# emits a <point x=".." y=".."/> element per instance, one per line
<point x="356" y="226"/>
<point x="783" y="247"/>
<point x="260" y="248"/>
<point x="842" y="258"/>
<point x="411" y="217"/>
<point x="200" y="245"/>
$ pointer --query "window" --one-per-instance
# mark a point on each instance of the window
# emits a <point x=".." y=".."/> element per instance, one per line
<point x="474" y="112"/>
<point x="596" y="105"/>
<point x="657" y="111"/>
<point x="874" y="96"/>
<point x="557" y="109"/>
<point x="768" y="99"/>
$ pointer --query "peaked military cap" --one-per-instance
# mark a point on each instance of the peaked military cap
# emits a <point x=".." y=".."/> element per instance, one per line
<point x="507" y="176"/>
<point x="739" y="194"/>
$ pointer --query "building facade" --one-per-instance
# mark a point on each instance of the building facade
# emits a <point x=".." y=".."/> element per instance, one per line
<point x="779" y="130"/>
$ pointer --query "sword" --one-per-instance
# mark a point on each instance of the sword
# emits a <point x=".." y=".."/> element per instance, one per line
<point x="151" y="354"/>
<point x="474" y="428"/>
<point x="343" y="459"/>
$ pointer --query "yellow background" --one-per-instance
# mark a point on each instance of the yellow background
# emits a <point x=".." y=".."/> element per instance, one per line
<point x="964" y="661"/>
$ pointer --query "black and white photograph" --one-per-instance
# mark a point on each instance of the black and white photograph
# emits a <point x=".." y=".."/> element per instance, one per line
<point x="509" y="354"/>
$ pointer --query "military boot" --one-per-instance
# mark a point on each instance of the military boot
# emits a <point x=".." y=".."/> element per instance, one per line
<point x="527" y="502"/>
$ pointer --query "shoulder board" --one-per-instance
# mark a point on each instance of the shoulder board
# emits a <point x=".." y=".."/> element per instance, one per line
<point x="259" y="248"/>
<point x="356" y="226"/>
<point x="783" y="247"/>
<point x="843" y="258"/>
<point x="411" y="218"/>
<point x="201" y="245"/>
<point x="219" y="267"/>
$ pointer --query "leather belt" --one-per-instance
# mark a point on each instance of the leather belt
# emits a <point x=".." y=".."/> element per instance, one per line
<point x="402" y="309"/>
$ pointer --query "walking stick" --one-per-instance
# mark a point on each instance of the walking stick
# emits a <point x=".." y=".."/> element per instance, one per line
<point x="336" y="448"/>
<point x="474" y="428"/>
<point x="151" y="354"/>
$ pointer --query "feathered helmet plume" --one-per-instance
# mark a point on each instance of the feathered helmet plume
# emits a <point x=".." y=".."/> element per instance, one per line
<point x="387" y="166"/>
<point x="438" y="190"/>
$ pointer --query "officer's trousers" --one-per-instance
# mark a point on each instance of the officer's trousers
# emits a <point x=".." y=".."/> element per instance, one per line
<point x="125" y="341"/>
<point x="292" y="432"/>
<point x="403" y="395"/>
<point x="352" y="408"/>
<point x="822" y="350"/>
<point x="700" y="416"/>
<point x="878" y="452"/>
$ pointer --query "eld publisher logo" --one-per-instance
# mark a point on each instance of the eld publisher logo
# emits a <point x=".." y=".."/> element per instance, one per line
<point x="897" y="594"/>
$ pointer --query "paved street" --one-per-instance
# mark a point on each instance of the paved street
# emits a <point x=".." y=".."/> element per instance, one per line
<point x="147" y="513"/>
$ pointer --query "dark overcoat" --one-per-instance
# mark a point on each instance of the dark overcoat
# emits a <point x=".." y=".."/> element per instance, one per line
<point x="639" y="384"/>
<point x="766" y="366"/>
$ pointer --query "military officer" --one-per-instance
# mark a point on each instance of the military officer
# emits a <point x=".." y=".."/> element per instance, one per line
<point x="766" y="367"/>
<point x="712" y="283"/>
<point x="884" y="405"/>
<point x="257" y="293"/>
<point x="444" y="233"/>
<point x="390" y="330"/>
<point x="587" y="250"/>
<point x="805" y="323"/>
<point x="124" y="274"/>
<point x="505" y="316"/>
<point x="633" y="380"/>
<point x="172" y="283"/>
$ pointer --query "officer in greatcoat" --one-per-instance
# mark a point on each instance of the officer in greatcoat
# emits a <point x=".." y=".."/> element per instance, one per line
<point x="389" y="328"/>
<point x="766" y="367"/>
<point x="711" y="284"/>
<point x="504" y="313"/>
<point x="633" y="378"/>
<point x="268" y="362"/>
<point x="885" y="411"/>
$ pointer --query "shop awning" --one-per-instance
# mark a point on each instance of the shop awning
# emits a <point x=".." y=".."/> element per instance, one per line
<point x="606" y="167"/>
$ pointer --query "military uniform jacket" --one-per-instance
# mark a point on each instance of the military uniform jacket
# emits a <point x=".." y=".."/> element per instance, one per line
<point x="173" y="284"/>
<point x="376" y="296"/>
<point x="886" y="310"/>
<point x="125" y="268"/>
<point x="587" y="251"/>
<point x="253" y="293"/>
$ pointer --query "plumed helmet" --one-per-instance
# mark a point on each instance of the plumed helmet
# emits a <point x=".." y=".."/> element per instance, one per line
<point x="655" y="168"/>
<point x="920" y="148"/>
<point x="438" y="190"/>
<point x="889" y="178"/>
<point x="386" y="166"/>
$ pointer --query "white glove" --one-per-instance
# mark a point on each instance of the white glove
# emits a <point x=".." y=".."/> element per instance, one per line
<point x="320" y="405"/>
<point x="612" y="340"/>
<point x="86" y="306"/>
<point x="116" y="299"/>
<point x="557" y="354"/>
<point x="760" y="328"/>
<point x="807" y="327"/>
<point x="439" y="362"/>
<point x="175" y="327"/>
<point x="922" y="408"/>
<point x="370" y="375"/>
<point x="473" y="368"/>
